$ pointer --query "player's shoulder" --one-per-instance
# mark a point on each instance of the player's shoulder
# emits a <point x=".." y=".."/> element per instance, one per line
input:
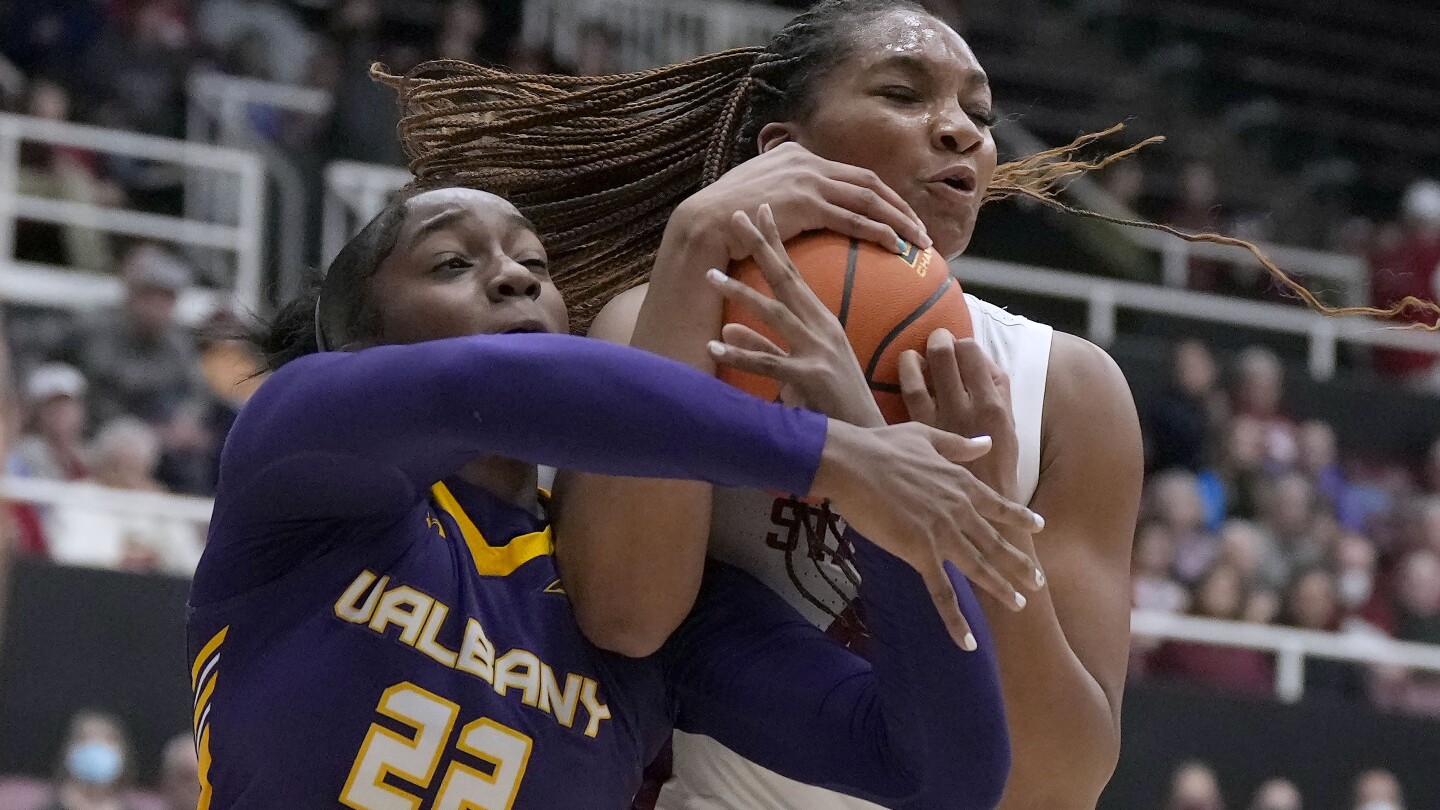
<point x="1086" y="393"/>
<point x="616" y="321"/>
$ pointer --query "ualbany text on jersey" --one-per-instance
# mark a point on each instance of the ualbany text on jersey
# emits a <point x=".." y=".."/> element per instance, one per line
<point x="373" y="602"/>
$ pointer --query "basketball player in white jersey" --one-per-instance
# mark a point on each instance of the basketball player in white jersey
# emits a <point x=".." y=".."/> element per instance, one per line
<point x="900" y="95"/>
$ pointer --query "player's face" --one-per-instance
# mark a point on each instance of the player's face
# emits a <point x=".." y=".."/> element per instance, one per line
<point x="465" y="263"/>
<point x="909" y="103"/>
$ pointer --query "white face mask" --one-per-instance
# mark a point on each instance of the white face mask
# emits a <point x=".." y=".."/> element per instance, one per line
<point x="1354" y="588"/>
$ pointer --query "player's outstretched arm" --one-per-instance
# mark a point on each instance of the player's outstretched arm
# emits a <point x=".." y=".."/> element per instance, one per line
<point x="350" y="434"/>
<point x="922" y="726"/>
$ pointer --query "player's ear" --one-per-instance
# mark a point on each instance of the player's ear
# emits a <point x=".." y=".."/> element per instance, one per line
<point x="772" y="135"/>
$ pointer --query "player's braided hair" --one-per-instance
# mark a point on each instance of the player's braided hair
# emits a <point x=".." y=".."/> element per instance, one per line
<point x="600" y="163"/>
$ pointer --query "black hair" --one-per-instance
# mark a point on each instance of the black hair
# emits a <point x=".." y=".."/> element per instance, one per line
<point x="782" y="81"/>
<point x="338" y="299"/>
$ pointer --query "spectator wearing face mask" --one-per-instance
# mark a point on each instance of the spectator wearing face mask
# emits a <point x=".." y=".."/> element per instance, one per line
<point x="1277" y="794"/>
<point x="1356" y="565"/>
<point x="94" y="766"/>
<point x="1378" y="790"/>
<point x="1194" y="787"/>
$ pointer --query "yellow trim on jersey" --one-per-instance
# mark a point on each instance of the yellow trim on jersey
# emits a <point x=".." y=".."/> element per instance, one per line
<point x="210" y="646"/>
<point x="493" y="561"/>
<point x="203" y="750"/>
<point x="203" y="702"/>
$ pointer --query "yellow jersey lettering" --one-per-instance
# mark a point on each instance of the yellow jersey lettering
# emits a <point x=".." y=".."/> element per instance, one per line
<point x="560" y="704"/>
<point x="477" y="654"/>
<point x="598" y="711"/>
<point x="348" y="606"/>
<point x="427" y="643"/>
<point x="519" y="669"/>
<point x="403" y="606"/>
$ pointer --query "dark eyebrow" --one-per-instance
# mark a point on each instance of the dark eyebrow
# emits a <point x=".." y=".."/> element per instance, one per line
<point x="522" y="221"/>
<point x="435" y="223"/>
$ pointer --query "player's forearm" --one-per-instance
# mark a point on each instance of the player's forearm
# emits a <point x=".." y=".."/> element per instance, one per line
<point x="632" y="552"/>
<point x="1065" y="736"/>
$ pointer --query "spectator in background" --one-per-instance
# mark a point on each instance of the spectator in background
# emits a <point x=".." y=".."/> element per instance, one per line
<point x="224" y="24"/>
<point x="1277" y="794"/>
<point x="1230" y="487"/>
<point x="1198" y="210"/>
<point x="1254" y="554"/>
<point x="141" y="362"/>
<point x="597" y="49"/>
<point x="1290" y="512"/>
<point x="84" y="532"/>
<point x="1220" y="595"/>
<point x="1312" y="604"/>
<point x="1152" y="586"/>
<point x="364" y="116"/>
<point x="1378" y="789"/>
<point x="1409" y="269"/>
<point x="1194" y="787"/>
<point x="53" y="448"/>
<point x="180" y="773"/>
<point x="94" y="765"/>
<point x="462" y="34"/>
<point x="61" y="173"/>
<point x="1417" y="614"/>
<point x="1182" y="418"/>
<point x="1174" y="502"/>
<point x="1259" y="393"/>
<point x="1355" y="567"/>
<point x="1319" y="460"/>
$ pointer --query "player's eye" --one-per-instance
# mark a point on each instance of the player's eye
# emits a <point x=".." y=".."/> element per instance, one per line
<point x="900" y="93"/>
<point x="984" y="117"/>
<point x="452" y="264"/>
<point x="539" y="267"/>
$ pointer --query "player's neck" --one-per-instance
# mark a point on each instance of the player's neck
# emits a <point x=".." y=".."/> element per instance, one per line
<point x="511" y="481"/>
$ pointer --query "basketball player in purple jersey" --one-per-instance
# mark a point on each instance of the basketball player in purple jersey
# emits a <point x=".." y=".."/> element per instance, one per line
<point x="377" y="621"/>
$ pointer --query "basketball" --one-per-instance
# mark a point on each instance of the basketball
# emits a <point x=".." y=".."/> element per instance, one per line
<point x="888" y="302"/>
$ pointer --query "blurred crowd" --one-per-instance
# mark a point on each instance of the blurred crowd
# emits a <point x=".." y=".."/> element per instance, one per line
<point x="1194" y="786"/>
<point x="1252" y="515"/>
<point x="95" y="770"/>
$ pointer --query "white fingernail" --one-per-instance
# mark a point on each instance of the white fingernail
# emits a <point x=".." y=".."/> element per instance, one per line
<point x="1019" y="600"/>
<point x="716" y="348"/>
<point x="970" y="645"/>
<point x="983" y="440"/>
<point x="1039" y="522"/>
<point x="716" y="275"/>
<point x="1039" y="578"/>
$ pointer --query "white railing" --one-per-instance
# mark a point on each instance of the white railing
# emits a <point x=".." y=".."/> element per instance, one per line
<point x="1347" y="273"/>
<point x="66" y="288"/>
<point x="354" y="194"/>
<point x="652" y="32"/>
<point x="1290" y="646"/>
<point x="1104" y="298"/>
<point x="114" y="501"/>
<point x="220" y="112"/>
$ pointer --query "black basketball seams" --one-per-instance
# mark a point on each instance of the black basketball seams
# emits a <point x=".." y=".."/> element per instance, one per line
<point x="849" y="280"/>
<point x="901" y="327"/>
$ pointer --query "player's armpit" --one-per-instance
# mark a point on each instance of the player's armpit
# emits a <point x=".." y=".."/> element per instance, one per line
<point x="1064" y="701"/>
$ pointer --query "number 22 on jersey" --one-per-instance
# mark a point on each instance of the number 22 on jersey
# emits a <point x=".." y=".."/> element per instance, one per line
<point x="415" y="759"/>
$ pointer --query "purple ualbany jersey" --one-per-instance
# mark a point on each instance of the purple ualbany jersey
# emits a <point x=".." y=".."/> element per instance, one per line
<point x="436" y="664"/>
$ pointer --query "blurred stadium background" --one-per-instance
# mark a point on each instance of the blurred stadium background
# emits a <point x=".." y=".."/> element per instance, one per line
<point x="168" y="167"/>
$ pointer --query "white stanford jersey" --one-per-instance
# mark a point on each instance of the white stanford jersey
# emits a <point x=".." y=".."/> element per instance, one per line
<point x="792" y="547"/>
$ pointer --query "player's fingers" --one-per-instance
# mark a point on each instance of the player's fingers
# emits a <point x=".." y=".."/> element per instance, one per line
<point x="979" y="374"/>
<point x="742" y="336"/>
<point x="768" y="251"/>
<point x="913" y="388"/>
<point x="996" y="508"/>
<point x="1019" y="570"/>
<point x="884" y="198"/>
<point x="942" y="593"/>
<point x="984" y="576"/>
<point x="952" y="400"/>
<point x="959" y="449"/>
<point x="777" y="367"/>
<point x="842" y="220"/>
<point x="774" y="314"/>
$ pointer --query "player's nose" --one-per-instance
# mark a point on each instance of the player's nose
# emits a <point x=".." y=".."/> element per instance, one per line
<point x="512" y="280"/>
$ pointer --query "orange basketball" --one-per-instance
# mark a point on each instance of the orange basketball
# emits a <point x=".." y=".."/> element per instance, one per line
<point x="888" y="302"/>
